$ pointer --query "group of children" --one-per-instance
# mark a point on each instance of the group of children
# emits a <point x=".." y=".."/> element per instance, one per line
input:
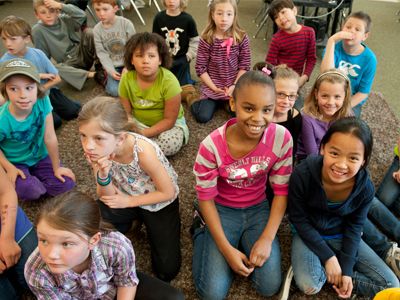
<point x="245" y="174"/>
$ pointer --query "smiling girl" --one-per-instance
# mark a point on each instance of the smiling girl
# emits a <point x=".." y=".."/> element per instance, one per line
<point x="329" y="198"/>
<point x="232" y="167"/>
<point x="328" y="101"/>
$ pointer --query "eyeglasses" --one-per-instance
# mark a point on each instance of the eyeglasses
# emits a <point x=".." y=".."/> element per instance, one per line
<point x="283" y="96"/>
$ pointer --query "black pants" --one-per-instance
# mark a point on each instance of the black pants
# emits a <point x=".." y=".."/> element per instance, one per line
<point x="151" y="288"/>
<point x="63" y="107"/>
<point x="80" y="3"/>
<point x="163" y="230"/>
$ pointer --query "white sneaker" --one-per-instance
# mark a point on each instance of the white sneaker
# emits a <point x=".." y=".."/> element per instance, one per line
<point x="285" y="289"/>
<point x="393" y="259"/>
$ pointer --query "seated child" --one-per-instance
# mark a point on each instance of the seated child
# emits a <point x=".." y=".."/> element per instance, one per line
<point x="180" y="32"/>
<point x="328" y="101"/>
<point x="223" y="56"/>
<point x="232" y="168"/>
<point x="110" y="37"/>
<point x="329" y="198"/>
<point x="60" y="36"/>
<point x="151" y="93"/>
<point x="135" y="181"/>
<point x="80" y="257"/>
<point x="293" y="44"/>
<point x="16" y="35"/>
<point x="28" y="143"/>
<point x="17" y="241"/>
<point x="346" y="51"/>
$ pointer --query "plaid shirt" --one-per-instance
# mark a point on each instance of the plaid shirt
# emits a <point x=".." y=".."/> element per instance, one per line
<point x="112" y="265"/>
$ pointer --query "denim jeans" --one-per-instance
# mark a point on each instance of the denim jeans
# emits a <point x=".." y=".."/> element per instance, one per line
<point x="389" y="189"/>
<point x="384" y="219"/>
<point x="112" y="84"/>
<point x="12" y="282"/>
<point x="181" y="69"/>
<point x="242" y="227"/>
<point x="370" y="276"/>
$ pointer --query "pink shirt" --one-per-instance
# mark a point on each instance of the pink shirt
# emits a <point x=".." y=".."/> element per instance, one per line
<point x="241" y="182"/>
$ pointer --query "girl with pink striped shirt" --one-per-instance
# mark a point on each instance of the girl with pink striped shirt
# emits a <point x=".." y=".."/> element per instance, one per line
<point x="232" y="167"/>
<point x="223" y="56"/>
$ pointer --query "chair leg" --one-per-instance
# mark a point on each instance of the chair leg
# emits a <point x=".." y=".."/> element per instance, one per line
<point x="137" y="12"/>
<point x="89" y="9"/>
<point x="264" y="21"/>
<point x="156" y="4"/>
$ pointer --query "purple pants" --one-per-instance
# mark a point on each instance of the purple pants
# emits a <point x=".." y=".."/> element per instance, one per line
<point x="39" y="181"/>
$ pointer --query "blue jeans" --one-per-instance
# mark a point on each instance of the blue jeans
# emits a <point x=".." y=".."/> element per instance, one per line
<point x="242" y="227"/>
<point x="357" y="110"/>
<point x="12" y="282"/>
<point x="384" y="218"/>
<point x="389" y="189"/>
<point x="370" y="276"/>
<point x="181" y="69"/>
<point x="376" y="239"/>
<point x="112" y="84"/>
<point x="204" y="109"/>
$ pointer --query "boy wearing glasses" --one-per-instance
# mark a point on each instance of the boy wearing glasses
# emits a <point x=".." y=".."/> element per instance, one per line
<point x="59" y="35"/>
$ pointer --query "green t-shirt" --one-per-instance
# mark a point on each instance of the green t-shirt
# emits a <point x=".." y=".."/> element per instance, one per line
<point x="148" y="105"/>
<point x="22" y="142"/>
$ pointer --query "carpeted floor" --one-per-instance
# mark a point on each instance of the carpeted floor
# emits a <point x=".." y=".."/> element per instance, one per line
<point x="376" y="113"/>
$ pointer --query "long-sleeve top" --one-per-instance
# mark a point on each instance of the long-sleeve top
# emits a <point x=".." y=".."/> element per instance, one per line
<point x="312" y="132"/>
<point x="60" y="41"/>
<point x="222" y="63"/>
<point x="110" y="42"/>
<point x="112" y="265"/>
<point x="313" y="219"/>
<point x="241" y="182"/>
<point x="296" y="50"/>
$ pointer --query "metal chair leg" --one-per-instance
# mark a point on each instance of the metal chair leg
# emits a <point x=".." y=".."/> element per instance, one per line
<point x="89" y="9"/>
<point x="156" y="4"/>
<point x="264" y="21"/>
<point x="137" y="12"/>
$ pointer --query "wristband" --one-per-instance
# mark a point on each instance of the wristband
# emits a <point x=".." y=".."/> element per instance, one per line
<point x="103" y="181"/>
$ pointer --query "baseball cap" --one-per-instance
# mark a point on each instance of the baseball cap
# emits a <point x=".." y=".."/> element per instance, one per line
<point x="18" y="66"/>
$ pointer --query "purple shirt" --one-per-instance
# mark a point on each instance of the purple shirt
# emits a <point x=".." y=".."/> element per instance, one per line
<point x="112" y="266"/>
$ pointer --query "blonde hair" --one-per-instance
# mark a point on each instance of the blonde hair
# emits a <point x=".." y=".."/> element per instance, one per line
<point x="109" y="113"/>
<point x="235" y="31"/>
<point x="332" y="76"/>
<point x="182" y="4"/>
<point x="285" y="72"/>
<point x="37" y="3"/>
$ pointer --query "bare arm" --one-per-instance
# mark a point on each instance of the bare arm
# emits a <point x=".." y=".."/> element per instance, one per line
<point x="328" y="61"/>
<point x="126" y="292"/>
<point x="52" y="80"/>
<point x="357" y="98"/>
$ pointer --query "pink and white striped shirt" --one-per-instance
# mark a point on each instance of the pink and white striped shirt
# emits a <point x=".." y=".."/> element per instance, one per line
<point x="241" y="183"/>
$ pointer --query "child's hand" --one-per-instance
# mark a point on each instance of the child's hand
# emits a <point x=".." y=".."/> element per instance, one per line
<point x="119" y="200"/>
<point x="342" y="35"/>
<point x="13" y="173"/>
<point x="116" y="75"/>
<point x="47" y="76"/>
<point x="61" y="171"/>
<point x="104" y="165"/>
<point x="396" y="176"/>
<point x="344" y="291"/>
<point x="53" y="4"/>
<point x="218" y="90"/>
<point x="238" y="262"/>
<point x="10" y="252"/>
<point x="260" y="252"/>
<point x="333" y="271"/>
<point x="229" y="90"/>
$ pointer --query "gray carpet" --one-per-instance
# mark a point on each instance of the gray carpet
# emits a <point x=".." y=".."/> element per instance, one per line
<point x="376" y="113"/>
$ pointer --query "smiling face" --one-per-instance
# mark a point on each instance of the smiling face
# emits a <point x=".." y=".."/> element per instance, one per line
<point x="146" y="62"/>
<point x="286" y="19"/>
<point x="22" y="93"/>
<point x="357" y="28"/>
<point x="343" y="158"/>
<point x="105" y="12"/>
<point x="223" y="17"/>
<point x="330" y="98"/>
<point x="15" y="45"/>
<point x="285" y="88"/>
<point x="96" y="142"/>
<point x="64" y="250"/>
<point x="254" y="108"/>
<point x="48" y="16"/>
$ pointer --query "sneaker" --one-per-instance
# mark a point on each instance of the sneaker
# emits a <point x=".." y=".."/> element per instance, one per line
<point x="285" y="289"/>
<point x="393" y="259"/>
<point x="139" y="3"/>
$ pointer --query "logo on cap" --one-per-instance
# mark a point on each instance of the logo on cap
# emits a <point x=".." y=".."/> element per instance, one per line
<point x="17" y="63"/>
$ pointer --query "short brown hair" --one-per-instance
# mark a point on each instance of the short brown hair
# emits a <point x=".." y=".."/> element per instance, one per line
<point x="363" y="17"/>
<point x="40" y="92"/>
<point x="142" y="41"/>
<point x="15" y="26"/>
<point x="111" y="2"/>
<point x="277" y="5"/>
<point x="37" y="3"/>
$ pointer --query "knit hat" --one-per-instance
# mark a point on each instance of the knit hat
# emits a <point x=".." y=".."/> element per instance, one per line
<point x="18" y="66"/>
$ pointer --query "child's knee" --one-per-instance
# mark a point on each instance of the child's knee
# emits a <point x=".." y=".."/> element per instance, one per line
<point x="29" y="189"/>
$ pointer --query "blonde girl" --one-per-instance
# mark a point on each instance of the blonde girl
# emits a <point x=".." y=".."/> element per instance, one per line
<point x="223" y="56"/>
<point x="134" y="181"/>
<point x="328" y="101"/>
<point x="151" y="94"/>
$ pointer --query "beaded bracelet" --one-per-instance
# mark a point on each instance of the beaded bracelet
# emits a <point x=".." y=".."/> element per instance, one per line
<point x="103" y="181"/>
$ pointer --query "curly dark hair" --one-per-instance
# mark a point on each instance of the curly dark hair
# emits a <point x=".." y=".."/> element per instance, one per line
<point x="143" y="40"/>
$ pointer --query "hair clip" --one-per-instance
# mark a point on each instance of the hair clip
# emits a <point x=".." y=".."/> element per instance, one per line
<point x="266" y="71"/>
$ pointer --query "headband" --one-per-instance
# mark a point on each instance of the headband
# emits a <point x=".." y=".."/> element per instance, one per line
<point x="331" y="72"/>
